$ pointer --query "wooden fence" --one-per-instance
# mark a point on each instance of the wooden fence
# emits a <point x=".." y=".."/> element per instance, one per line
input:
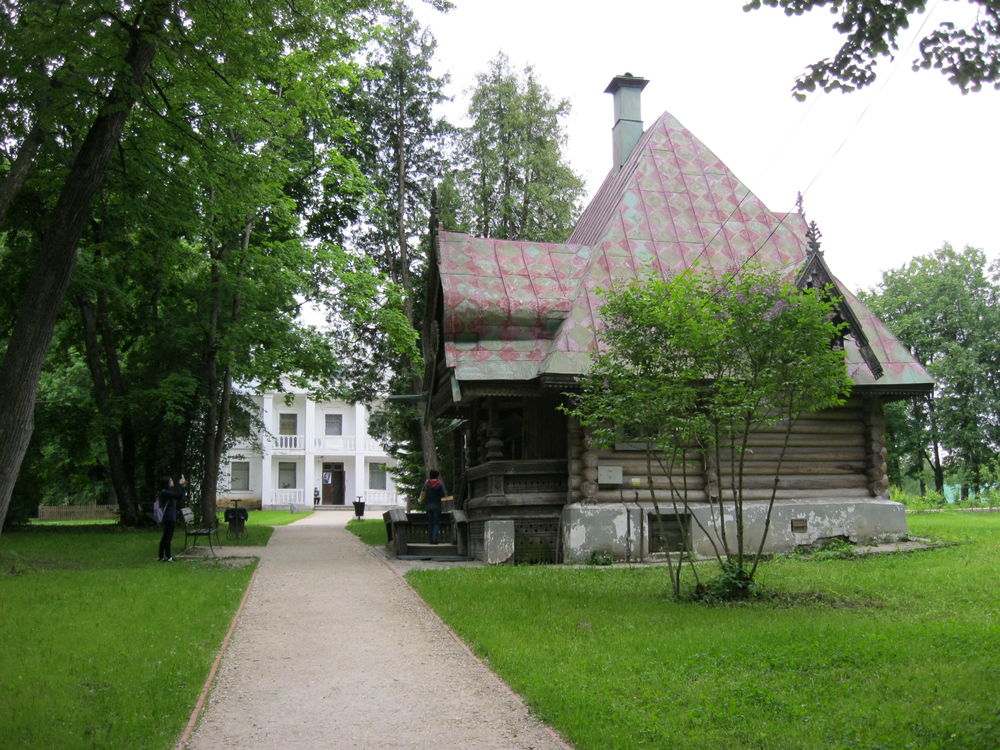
<point x="76" y="512"/>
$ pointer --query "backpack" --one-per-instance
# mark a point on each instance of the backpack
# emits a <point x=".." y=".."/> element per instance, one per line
<point x="157" y="511"/>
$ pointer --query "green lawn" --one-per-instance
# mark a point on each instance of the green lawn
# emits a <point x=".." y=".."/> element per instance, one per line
<point x="369" y="531"/>
<point x="897" y="651"/>
<point x="103" y="646"/>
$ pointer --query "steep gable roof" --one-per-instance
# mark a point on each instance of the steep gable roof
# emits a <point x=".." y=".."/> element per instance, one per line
<point x="520" y="310"/>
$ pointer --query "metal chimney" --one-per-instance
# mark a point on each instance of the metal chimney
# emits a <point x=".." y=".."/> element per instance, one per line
<point x="627" y="92"/>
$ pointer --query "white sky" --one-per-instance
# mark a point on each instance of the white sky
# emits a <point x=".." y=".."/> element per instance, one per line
<point x="919" y="166"/>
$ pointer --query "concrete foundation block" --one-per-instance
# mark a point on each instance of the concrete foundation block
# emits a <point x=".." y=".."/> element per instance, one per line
<point x="624" y="529"/>
<point x="498" y="541"/>
<point x="614" y="528"/>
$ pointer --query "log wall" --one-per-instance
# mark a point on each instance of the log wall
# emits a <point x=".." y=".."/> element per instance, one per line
<point x="837" y="452"/>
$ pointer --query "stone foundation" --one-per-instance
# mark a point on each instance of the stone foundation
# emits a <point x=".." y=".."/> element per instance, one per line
<point x="630" y="531"/>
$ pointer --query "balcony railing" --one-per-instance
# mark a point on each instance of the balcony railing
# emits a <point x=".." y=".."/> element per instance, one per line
<point x="329" y="443"/>
<point x="383" y="497"/>
<point x="337" y="443"/>
<point x="288" y="497"/>
<point x="288" y="442"/>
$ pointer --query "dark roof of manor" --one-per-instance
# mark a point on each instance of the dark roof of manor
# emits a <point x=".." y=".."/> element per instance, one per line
<point x="520" y="310"/>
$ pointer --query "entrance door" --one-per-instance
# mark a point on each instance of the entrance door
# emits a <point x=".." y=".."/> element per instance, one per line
<point x="333" y="484"/>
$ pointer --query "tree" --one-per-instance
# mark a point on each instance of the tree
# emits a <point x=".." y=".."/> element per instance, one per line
<point x="691" y="367"/>
<point x="232" y="128"/>
<point x="510" y="179"/>
<point x="405" y="140"/>
<point x="968" y="56"/>
<point x="945" y="308"/>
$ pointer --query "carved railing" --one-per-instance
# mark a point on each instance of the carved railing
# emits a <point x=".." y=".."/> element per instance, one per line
<point x="514" y="480"/>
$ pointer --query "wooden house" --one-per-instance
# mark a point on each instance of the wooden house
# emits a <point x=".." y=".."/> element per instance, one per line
<point x="510" y="324"/>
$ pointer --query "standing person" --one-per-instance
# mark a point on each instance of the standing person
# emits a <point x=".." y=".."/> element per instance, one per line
<point x="169" y="495"/>
<point x="433" y="495"/>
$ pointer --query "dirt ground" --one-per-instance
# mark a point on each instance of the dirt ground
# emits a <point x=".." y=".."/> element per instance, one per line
<point x="334" y="650"/>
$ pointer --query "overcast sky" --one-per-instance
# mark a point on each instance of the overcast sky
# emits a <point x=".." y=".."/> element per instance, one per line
<point x="888" y="173"/>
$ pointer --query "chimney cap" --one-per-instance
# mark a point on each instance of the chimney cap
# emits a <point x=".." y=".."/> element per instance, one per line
<point x="626" y="81"/>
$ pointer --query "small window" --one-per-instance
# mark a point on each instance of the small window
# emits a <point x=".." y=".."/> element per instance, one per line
<point x="800" y="525"/>
<point x="286" y="475"/>
<point x="376" y="477"/>
<point x="239" y="476"/>
<point x="288" y="424"/>
<point x="334" y="424"/>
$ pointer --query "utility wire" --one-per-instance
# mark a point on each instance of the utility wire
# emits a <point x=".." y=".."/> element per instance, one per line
<point x="847" y="137"/>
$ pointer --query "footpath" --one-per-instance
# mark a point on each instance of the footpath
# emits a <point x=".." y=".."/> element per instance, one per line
<point x="333" y="649"/>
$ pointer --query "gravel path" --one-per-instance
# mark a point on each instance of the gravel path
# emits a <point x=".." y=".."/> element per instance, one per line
<point x="334" y="650"/>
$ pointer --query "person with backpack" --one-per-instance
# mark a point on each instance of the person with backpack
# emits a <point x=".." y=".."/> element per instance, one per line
<point x="432" y="496"/>
<point x="167" y="502"/>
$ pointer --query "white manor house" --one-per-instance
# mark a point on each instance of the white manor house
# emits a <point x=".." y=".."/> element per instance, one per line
<point x="312" y="453"/>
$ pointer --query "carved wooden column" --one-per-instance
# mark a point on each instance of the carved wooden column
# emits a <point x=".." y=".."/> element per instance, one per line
<point x="588" y="488"/>
<point x="574" y="449"/>
<point x="877" y="469"/>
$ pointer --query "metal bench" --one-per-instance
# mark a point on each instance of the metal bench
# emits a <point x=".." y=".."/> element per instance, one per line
<point x="187" y="516"/>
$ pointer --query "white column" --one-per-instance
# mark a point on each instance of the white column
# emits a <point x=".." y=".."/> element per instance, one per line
<point x="360" y="480"/>
<point x="360" y="429"/>
<point x="266" y="482"/>
<point x="309" y="460"/>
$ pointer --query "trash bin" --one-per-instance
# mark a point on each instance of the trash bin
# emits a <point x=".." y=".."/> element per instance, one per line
<point x="236" y="518"/>
<point x="359" y="508"/>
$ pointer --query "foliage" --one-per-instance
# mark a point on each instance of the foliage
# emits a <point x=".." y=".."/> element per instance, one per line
<point x="932" y="500"/>
<point x="929" y="499"/>
<point x="705" y="364"/>
<point x="98" y="632"/>
<point x="598" y="557"/>
<point x="882" y="651"/>
<point x="969" y="56"/>
<point x="403" y="144"/>
<point x="223" y="213"/>
<point x="404" y="156"/>
<point x="945" y="307"/>
<point x="510" y="179"/>
<point x="835" y="548"/>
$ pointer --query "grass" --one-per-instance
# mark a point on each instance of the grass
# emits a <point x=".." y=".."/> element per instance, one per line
<point x="892" y="651"/>
<point x="102" y="645"/>
<point x="369" y="531"/>
<point x="259" y="527"/>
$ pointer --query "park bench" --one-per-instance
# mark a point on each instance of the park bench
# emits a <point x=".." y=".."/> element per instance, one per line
<point x="187" y="516"/>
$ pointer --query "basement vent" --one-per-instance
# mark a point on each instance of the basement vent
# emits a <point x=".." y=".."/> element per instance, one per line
<point x="800" y="525"/>
<point x="668" y="532"/>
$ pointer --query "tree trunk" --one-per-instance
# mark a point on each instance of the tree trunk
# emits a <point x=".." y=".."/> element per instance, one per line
<point x="124" y="491"/>
<point x="47" y="285"/>
<point x="18" y="173"/>
<point x="219" y="390"/>
<point x="117" y="384"/>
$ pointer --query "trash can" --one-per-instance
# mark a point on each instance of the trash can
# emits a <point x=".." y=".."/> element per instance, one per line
<point x="359" y="508"/>
<point x="236" y="518"/>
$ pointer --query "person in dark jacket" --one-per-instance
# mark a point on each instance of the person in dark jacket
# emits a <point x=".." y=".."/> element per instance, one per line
<point x="433" y="496"/>
<point x="169" y="497"/>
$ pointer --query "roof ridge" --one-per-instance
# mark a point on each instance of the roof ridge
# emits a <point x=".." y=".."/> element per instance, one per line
<point x="595" y="217"/>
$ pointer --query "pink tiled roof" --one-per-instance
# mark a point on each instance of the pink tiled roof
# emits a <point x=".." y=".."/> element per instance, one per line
<point x="516" y="310"/>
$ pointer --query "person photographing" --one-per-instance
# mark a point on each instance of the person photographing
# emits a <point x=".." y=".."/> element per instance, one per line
<point x="169" y="497"/>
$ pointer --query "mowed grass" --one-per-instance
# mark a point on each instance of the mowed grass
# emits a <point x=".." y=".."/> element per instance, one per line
<point x="101" y="646"/>
<point x="369" y="531"/>
<point x="890" y="651"/>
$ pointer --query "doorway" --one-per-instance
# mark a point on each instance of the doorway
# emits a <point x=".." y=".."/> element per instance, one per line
<point x="333" y="484"/>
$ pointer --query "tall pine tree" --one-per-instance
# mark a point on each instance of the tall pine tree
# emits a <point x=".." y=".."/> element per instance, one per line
<point x="510" y="179"/>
